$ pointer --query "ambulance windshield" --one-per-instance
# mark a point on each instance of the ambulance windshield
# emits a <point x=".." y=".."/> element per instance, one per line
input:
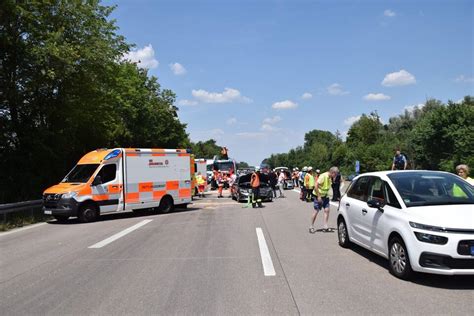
<point x="81" y="173"/>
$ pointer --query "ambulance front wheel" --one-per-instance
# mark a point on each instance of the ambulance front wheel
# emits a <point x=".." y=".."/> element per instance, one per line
<point x="88" y="213"/>
<point x="166" y="205"/>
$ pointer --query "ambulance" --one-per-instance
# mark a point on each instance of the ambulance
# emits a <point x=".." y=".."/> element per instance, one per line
<point x="121" y="179"/>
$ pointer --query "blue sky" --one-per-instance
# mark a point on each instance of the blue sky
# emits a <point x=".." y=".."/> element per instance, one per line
<point x="257" y="75"/>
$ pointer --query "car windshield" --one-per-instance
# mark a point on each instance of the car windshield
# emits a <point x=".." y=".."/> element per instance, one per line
<point x="81" y="173"/>
<point x="432" y="188"/>
<point x="224" y="166"/>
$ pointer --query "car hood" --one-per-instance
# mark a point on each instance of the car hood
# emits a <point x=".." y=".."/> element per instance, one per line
<point x="65" y="187"/>
<point x="447" y="216"/>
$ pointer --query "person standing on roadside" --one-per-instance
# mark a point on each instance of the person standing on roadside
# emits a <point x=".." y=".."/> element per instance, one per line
<point x="255" y="185"/>
<point x="281" y="181"/>
<point x="224" y="153"/>
<point x="399" y="161"/>
<point x="321" y="200"/>
<point x="301" y="176"/>
<point x="336" y="187"/>
<point x="273" y="179"/>
<point x="309" y="184"/>
<point x="463" y="172"/>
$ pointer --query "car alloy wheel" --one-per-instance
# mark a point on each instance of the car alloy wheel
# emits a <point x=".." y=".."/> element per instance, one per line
<point x="399" y="260"/>
<point x="342" y="234"/>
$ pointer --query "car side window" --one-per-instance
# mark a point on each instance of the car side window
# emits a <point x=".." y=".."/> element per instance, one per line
<point x="390" y="198"/>
<point x="359" y="189"/>
<point x="375" y="189"/>
<point x="108" y="173"/>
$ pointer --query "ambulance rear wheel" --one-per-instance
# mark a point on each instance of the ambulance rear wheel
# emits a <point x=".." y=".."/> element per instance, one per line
<point x="166" y="205"/>
<point x="88" y="213"/>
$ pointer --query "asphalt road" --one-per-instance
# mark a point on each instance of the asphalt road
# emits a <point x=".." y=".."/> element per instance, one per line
<point x="207" y="260"/>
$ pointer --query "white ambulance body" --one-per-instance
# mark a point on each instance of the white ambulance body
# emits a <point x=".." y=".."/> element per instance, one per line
<point x="122" y="179"/>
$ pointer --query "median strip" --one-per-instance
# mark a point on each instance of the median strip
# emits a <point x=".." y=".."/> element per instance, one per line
<point x="268" y="269"/>
<point x="124" y="232"/>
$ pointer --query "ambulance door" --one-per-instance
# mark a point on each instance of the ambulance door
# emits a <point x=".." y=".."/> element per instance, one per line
<point x="107" y="187"/>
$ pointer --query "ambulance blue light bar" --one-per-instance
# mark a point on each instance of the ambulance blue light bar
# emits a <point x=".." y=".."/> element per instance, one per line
<point x="112" y="154"/>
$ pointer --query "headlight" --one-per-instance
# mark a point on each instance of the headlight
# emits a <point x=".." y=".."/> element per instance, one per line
<point x="427" y="227"/>
<point x="432" y="239"/>
<point x="69" y="195"/>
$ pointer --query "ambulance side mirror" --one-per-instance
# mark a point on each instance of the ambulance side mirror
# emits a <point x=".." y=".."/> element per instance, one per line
<point x="97" y="181"/>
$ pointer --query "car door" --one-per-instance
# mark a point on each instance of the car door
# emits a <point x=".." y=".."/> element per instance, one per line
<point x="108" y="192"/>
<point x="354" y="203"/>
<point x="375" y="221"/>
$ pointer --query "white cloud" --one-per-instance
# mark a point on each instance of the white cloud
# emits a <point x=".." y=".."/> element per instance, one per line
<point x="462" y="78"/>
<point x="284" y="105"/>
<point x="231" y="121"/>
<point x="306" y="96"/>
<point x="400" y="78"/>
<point x="351" y="120"/>
<point x="185" y="102"/>
<point x="411" y="108"/>
<point x="178" y="69"/>
<point x="336" y="89"/>
<point x="272" y="120"/>
<point x="269" y="128"/>
<point x="376" y="97"/>
<point x="250" y="134"/>
<point x="389" y="13"/>
<point x="145" y="57"/>
<point x="227" y="96"/>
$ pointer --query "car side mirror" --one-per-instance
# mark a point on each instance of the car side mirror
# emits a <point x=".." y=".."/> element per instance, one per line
<point x="97" y="180"/>
<point x="376" y="203"/>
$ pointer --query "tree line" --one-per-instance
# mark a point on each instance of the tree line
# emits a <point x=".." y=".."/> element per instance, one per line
<point x="66" y="90"/>
<point x="435" y="136"/>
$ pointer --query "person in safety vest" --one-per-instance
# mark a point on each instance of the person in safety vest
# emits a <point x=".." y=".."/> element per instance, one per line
<point x="399" y="161"/>
<point x="321" y="200"/>
<point x="309" y="184"/>
<point x="255" y="184"/>
<point x="201" y="183"/>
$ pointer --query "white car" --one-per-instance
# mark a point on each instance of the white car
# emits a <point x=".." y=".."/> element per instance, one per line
<point x="419" y="220"/>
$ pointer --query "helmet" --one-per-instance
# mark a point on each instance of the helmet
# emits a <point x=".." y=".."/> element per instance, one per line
<point x="297" y="169"/>
<point x="318" y="171"/>
<point x="310" y="168"/>
<point x="305" y="168"/>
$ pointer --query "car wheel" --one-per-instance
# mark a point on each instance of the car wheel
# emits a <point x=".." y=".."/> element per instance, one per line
<point x="61" y="218"/>
<point x="88" y="213"/>
<point x="399" y="262"/>
<point x="342" y="234"/>
<point x="166" y="205"/>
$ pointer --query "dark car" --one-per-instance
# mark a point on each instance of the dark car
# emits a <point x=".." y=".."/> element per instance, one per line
<point x="241" y="188"/>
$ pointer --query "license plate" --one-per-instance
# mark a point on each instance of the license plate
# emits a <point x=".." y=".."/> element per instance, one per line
<point x="472" y="250"/>
<point x="49" y="213"/>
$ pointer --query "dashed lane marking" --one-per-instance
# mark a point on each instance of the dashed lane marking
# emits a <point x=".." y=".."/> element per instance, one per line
<point x="267" y="263"/>
<point x="124" y="232"/>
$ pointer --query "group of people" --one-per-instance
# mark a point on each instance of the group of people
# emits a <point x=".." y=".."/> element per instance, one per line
<point x="277" y="181"/>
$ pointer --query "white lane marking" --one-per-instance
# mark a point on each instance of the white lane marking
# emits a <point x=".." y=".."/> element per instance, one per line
<point x="16" y="230"/>
<point x="124" y="232"/>
<point x="297" y="191"/>
<point x="268" y="269"/>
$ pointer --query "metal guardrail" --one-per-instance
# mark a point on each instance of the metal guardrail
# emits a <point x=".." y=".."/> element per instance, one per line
<point x="20" y="207"/>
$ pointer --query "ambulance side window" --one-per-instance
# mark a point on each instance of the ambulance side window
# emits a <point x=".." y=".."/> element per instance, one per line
<point x="108" y="173"/>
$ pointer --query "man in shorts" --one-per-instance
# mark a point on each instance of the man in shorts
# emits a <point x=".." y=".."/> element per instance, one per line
<point x="321" y="197"/>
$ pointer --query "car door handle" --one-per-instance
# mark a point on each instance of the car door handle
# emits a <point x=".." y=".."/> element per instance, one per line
<point x="347" y="205"/>
<point x="364" y="211"/>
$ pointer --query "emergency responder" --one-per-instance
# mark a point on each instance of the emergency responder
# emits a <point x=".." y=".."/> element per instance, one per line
<point x="309" y="184"/>
<point x="255" y="184"/>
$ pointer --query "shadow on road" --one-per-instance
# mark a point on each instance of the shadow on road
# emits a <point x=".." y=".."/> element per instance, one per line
<point x="124" y="215"/>
<point x="456" y="282"/>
